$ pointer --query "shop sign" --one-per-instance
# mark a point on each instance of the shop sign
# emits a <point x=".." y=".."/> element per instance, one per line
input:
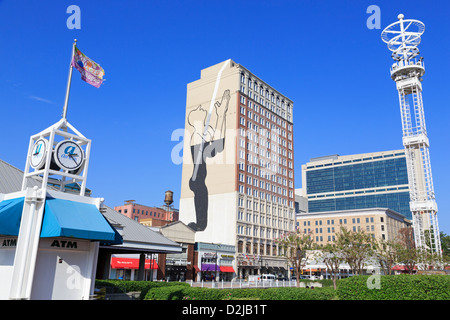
<point x="177" y="262"/>
<point x="209" y="255"/>
<point x="64" y="244"/>
<point x="9" y="242"/>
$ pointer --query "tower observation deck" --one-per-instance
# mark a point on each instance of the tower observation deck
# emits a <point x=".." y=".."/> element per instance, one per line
<point x="402" y="38"/>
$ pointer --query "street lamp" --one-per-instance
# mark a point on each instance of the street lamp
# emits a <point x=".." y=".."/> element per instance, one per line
<point x="215" y="267"/>
<point x="215" y="262"/>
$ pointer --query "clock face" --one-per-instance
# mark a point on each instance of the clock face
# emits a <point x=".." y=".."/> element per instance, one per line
<point x="68" y="155"/>
<point x="38" y="153"/>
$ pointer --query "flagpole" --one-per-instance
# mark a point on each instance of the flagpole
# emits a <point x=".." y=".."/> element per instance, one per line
<point x="64" y="115"/>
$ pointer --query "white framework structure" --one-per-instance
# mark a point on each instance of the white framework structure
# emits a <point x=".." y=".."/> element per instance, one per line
<point x="62" y="130"/>
<point x="402" y="38"/>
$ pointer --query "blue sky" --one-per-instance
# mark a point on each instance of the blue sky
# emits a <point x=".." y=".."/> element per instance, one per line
<point x="318" y="53"/>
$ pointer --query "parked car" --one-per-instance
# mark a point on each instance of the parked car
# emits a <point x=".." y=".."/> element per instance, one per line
<point x="254" y="278"/>
<point x="308" y="277"/>
<point x="267" y="277"/>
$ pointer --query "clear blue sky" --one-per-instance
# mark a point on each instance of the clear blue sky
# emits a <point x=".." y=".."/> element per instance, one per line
<point x="318" y="53"/>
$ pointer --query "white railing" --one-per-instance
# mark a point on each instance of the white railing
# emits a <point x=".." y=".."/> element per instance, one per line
<point x="251" y="284"/>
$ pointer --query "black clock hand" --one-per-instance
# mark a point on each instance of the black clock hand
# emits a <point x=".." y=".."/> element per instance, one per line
<point x="71" y="156"/>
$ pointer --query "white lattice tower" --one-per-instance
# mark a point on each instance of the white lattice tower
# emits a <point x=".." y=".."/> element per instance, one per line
<point x="402" y="38"/>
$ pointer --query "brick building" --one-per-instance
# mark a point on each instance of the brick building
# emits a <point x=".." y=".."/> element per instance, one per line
<point x="140" y="212"/>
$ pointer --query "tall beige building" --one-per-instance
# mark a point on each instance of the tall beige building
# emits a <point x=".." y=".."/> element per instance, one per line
<point x="238" y="166"/>
<point x="381" y="223"/>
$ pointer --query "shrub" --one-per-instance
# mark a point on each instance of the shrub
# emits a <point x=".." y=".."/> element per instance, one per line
<point x="166" y="293"/>
<point x="398" y="287"/>
<point x="188" y="293"/>
<point x="246" y="293"/>
<point x="298" y="294"/>
<point x="122" y="286"/>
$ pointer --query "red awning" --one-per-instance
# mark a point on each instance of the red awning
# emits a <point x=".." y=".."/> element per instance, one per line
<point x="131" y="263"/>
<point x="402" y="268"/>
<point x="226" y="269"/>
<point x="197" y="269"/>
<point x="311" y="270"/>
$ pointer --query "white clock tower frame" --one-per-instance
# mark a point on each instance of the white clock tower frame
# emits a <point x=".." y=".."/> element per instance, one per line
<point x="62" y="130"/>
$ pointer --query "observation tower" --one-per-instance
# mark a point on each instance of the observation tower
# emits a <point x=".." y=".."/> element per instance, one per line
<point x="402" y="38"/>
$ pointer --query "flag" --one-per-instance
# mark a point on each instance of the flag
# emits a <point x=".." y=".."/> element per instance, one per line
<point x="91" y="72"/>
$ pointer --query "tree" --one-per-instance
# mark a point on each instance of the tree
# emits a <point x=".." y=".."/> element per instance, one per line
<point x="407" y="253"/>
<point x="356" y="248"/>
<point x="445" y="244"/>
<point x="332" y="257"/>
<point x="428" y="259"/>
<point x="387" y="254"/>
<point x="297" y="248"/>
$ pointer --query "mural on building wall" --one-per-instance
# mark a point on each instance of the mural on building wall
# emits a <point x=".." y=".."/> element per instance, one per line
<point x="207" y="140"/>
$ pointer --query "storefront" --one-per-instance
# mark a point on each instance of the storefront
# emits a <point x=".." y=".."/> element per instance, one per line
<point x="255" y="265"/>
<point x="227" y="273"/>
<point x="216" y="262"/>
<point x="209" y="271"/>
<point x="176" y="270"/>
<point x="126" y="267"/>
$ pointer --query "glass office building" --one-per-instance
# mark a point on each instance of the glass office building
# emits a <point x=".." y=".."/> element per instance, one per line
<point x="370" y="180"/>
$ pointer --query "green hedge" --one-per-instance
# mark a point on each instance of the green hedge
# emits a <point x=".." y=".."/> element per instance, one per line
<point x="298" y="294"/>
<point x="121" y="286"/>
<point x="398" y="287"/>
<point x="188" y="293"/>
<point x="196" y="293"/>
<point x="395" y="287"/>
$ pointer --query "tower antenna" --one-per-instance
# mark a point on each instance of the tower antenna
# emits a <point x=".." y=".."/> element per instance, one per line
<point x="402" y="38"/>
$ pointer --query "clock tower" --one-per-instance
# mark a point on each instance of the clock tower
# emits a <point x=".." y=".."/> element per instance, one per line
<point x="44" y="214"/>
<point x="60" y="153"/>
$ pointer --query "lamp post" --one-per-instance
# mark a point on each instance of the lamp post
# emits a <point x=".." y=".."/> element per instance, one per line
<point x="215" y="267"/>
<point x="215" y="261"/>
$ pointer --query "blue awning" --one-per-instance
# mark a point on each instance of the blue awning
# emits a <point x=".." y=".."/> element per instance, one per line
<point x="10" y="215"/>
<point x="62" y="218"/>
<point x="65" y="218"/>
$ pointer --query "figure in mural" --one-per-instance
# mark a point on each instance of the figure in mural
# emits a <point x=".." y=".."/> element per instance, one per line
<point x="207" y="140"/>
